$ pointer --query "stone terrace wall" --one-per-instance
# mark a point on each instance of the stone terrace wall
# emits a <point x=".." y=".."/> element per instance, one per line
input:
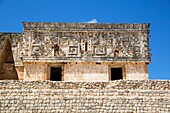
<point x="89" y="97"/>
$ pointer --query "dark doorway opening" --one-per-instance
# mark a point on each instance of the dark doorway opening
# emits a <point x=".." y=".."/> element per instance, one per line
<point x="86" y="46"/>
<point x="116" y="74"/>
<point x="56" y="74"/>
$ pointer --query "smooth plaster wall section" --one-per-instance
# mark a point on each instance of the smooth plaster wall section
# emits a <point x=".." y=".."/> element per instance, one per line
<point x="86" y="72"/>
<point x="136" y="72"/>
<point x="82" y="72"/>
<point x="34" y="71"/>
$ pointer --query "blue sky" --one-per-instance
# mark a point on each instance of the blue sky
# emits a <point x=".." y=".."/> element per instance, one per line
<point x="156" y="12"/>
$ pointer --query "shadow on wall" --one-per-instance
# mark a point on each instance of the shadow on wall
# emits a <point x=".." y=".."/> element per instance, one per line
<point x="7" y="66"/>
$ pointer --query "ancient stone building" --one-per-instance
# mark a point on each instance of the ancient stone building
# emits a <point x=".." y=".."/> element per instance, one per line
<point x="81" y="51"/>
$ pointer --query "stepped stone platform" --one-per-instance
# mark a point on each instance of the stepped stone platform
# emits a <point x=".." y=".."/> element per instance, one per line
<point x="120" y="96"/>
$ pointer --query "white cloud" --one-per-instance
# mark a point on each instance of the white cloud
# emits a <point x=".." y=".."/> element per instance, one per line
<point x="92" y="21"/>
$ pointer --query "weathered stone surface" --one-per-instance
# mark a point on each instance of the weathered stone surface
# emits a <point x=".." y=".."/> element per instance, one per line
<point x="117" y="96"/>
<point x="86" y="72"/>
<point x="4" y="53"/>
<point x="7" y="67"/>
<point x="85" y="42"/>
<point x="81" y="50"/>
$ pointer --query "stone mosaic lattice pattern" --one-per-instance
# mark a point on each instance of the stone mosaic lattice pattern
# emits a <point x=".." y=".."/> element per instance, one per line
<point x="82" y="42"/>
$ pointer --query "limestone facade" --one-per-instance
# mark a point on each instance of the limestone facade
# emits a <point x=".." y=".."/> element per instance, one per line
<point x="119" y="96"/>
<point x="81" y="51"/>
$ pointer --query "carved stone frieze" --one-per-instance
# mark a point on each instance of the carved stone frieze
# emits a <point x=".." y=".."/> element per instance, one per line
<point x="73" y="50"/>
<point x="99" y="50"/>
<point x="117" y="44"/>
<point x="66" y="41"/>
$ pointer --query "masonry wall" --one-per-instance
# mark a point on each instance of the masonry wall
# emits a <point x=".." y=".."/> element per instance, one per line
<point x="7" y="66"/>
<point x="42" y="44"/>
<point x="136" y="71"/>
<point x="86" y="72"/>
<point x="8" y="72"/>
<point x="33" y="71"/>
<point x="86" y="97"/>
<point x="82" y="72"/>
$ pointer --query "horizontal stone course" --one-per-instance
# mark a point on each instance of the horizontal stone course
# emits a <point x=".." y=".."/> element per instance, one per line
<point x="117" y="84"/>
<point x="89" y="97"/>
<point x="81" y="26"/>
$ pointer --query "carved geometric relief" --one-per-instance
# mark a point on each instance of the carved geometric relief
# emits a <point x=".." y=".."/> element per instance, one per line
<point x="23" y="52"/>
<point x="37" y="37"/>
<point x="47" y="38"/>
<point x="96" y="41"/>
<point x="73" y="50"/>
<point x="83" y="45"/>
<point x="109" y="51"/>
<point x="99" y="50"/>
<point x="63" y="41"/>
<point x="73" y="41"/>
<point x="48" y="52"/>
<point x="56" y="49"/>
<point x="116" y="52"/>
<point x="35" y="50"/>
<point x="89" y="45"/>
<point x="109" y="41"/>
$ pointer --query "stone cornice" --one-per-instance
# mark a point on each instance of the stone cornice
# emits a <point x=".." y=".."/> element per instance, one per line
<point x="83" y="26"/>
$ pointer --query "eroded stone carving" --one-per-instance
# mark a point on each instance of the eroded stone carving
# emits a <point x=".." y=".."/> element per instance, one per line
<point x="52" y="44"/>
<point x="128" y="44"/>
<point x="110" y="41"/>
<point x="73" y="50"/>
